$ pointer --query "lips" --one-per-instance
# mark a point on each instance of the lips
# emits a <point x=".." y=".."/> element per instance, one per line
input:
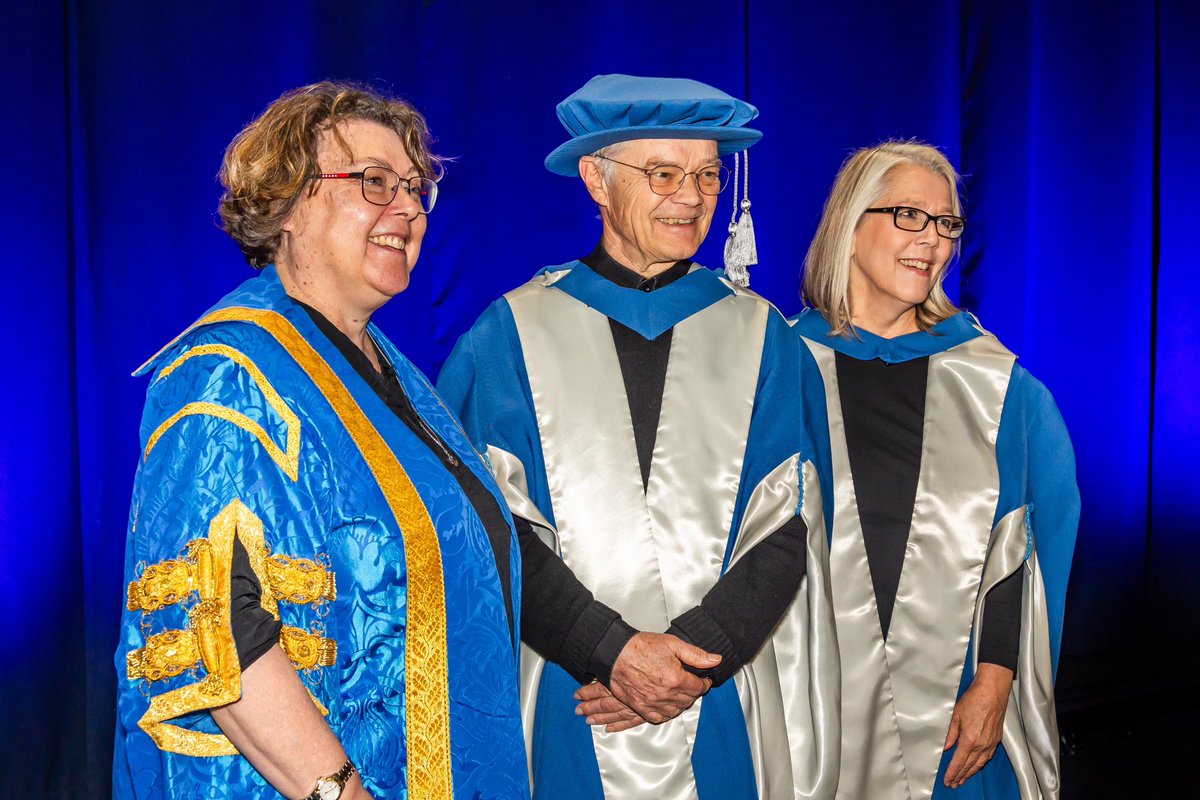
<point x="389" y="240"/>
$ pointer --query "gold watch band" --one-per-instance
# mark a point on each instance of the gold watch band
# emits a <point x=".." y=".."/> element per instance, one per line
<point x="330" y="787"/>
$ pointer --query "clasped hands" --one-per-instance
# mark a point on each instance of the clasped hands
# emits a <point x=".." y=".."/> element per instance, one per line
<point x="648" y="683"/>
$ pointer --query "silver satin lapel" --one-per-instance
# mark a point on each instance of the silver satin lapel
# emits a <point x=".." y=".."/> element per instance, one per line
<point x="957" y="493"/>
<point x="707" y="400"/>
<point x="669" y="549"/>
<point x="899" y="696"/>
<point x="1030" y="725"/>
<point x="790" y="691"/>
<point x="872" y="764"/>
<point x="510" y="477"/>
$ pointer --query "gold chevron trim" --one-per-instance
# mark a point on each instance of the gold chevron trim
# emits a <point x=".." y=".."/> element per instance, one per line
<point x="288" y="459"/>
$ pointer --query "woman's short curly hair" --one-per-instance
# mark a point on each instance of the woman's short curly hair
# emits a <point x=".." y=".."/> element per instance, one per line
<point x="268" y="163"/>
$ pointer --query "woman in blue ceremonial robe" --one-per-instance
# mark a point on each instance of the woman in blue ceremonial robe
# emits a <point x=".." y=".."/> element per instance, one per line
<point x="955" y="505"/>
<point x="323" y="579"/>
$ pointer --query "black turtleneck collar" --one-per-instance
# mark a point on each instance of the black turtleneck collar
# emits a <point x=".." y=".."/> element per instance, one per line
<point x="607" y="267"/>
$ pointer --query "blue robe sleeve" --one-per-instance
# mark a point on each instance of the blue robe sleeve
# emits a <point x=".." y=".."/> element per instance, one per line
<point x="814" y="432"/>
<point x="485" y="384"/>
<point x="215" y="463"/>
<point x="1037" y="469"/>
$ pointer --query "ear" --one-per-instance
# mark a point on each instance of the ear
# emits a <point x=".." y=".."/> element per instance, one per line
<point x="593" y="179"/>
<point x="295" y="218"/>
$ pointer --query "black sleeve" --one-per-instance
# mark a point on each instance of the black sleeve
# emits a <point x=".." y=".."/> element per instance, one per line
<point x="560" y="619"/>
<point x="740" y="611"/>
<point x="1001" y="637"/>
<point x="255" y="631"/>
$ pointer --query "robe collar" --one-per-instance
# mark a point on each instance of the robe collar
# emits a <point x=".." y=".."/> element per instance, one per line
<point x="650" y="314"/>
<point x="261" y="291"/>
<point x="866" y="346"/>
<point x="608" y="267"/>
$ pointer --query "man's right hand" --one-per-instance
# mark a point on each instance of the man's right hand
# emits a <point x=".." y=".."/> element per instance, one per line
<point x="648" y="675"/>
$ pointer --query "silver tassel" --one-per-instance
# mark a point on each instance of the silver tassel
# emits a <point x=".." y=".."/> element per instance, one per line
<point x="740" y="249"/>
<point x="741" y="252"/>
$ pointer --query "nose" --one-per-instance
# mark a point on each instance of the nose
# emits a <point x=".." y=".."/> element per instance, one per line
<point x="405" y="204"/>
<point x="689" y="191"/>
<point x="929" y="235"/>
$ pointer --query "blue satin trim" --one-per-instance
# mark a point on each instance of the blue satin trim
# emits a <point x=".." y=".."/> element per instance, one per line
<point x="721" y="758"/>
<point x="564" y="758"/>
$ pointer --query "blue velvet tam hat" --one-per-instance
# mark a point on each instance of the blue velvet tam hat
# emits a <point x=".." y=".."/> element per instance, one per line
<point x="618" y="108"/>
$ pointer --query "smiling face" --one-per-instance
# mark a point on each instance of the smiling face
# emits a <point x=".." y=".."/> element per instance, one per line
<point x="341" y="254"/>
<point x="648" y="232"/>
<point x="892" y="271"/>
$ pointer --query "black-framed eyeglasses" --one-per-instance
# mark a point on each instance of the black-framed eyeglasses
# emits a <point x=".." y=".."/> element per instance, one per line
<point x="380" y="184"/>
<point x="667" y="179"/>
<point x="907" y="218"/>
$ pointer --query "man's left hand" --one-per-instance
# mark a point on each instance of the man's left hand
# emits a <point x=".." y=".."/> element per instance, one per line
<point x="977" y="723"/>
<point x="601" y="708"/>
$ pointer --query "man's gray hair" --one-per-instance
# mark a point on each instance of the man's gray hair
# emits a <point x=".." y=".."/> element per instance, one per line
<point x="606" y="167"/>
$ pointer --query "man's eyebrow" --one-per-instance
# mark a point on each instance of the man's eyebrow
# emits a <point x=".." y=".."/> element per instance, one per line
<point x="659" y="160"/>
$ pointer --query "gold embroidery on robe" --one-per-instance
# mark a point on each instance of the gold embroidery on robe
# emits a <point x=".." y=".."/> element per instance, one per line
<point x="169" y="653"/>
<point x="427" y="694"/>
<point x="288" y="459"/>
<point x="299" y="580"/>
<point x="294" y="580"/>
<point x="209" y="639"/>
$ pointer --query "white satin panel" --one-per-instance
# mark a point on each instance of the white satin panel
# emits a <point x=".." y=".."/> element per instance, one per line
<point x="790" y="691"/>
<point x="872" y="763"/>
<point x="650" y="554"/>
<point x="899" y="696"/>
<point x="510" y="477"/>
<point x="1030" y="723"/>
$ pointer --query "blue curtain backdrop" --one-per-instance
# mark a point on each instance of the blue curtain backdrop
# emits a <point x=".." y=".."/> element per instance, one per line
<point x="1075" y="124"/>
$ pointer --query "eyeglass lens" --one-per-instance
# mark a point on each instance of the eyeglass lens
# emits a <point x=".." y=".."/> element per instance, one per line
<point x="914" y="219"/>
<point x="668" y="178"/>
<point x="380" y="184"/>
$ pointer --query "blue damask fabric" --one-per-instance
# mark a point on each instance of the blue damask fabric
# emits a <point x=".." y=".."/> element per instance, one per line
<point x="334" y="513"/>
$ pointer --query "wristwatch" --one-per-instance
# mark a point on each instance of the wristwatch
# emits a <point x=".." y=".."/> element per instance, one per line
<point x="330" y="787"/>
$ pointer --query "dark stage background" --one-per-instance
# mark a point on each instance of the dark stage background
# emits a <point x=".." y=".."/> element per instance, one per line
<point x="1075" y="124"/>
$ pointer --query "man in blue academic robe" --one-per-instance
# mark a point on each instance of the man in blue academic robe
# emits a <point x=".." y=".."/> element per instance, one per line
<point x="640" y="414"/>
